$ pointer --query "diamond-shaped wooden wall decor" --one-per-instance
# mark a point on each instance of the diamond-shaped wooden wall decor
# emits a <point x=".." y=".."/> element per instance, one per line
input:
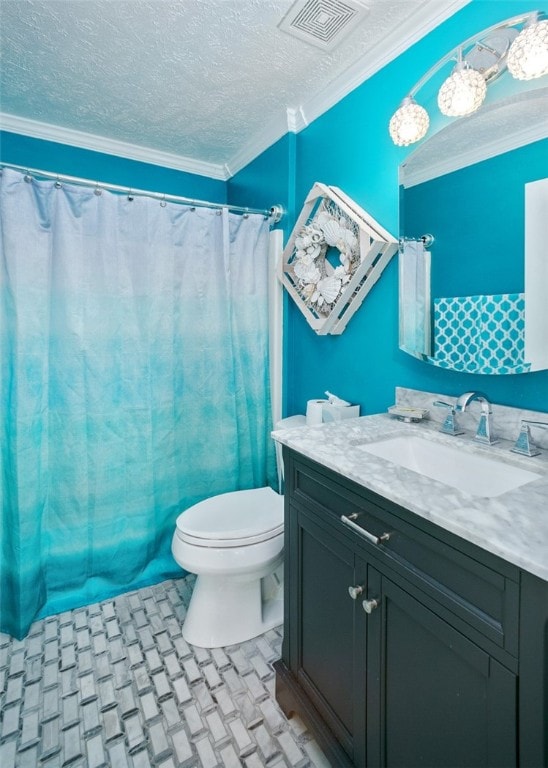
<point x="334" y="256"/>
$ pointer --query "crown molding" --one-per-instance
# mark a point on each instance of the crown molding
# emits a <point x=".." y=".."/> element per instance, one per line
<point x="427" y="17"/>
<point x="56" y="133"/>
<point x="423" y="21"/>
<point x="296" y="120"/>
<point x="260" y="142"/>
<point x="293" y="122"/>
<point x="485" y="151"/>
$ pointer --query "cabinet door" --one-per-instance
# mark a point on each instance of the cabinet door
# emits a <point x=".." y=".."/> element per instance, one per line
<point x="434" y="698"/>
<point x="324" y="620"/>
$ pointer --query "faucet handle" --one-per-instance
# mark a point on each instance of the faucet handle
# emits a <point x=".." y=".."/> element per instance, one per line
<point x="524" y="444"/>
<point x="449" y="426"/>
<point x="484" y="433"/>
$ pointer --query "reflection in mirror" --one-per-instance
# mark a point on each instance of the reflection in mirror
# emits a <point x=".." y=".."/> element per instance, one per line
<point x="475" y="300"/>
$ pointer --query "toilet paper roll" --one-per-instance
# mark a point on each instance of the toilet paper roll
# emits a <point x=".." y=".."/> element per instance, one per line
<point x="314" y="412"/>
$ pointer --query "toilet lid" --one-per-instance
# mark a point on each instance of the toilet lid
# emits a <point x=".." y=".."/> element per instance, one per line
<point x="232" y="519"/>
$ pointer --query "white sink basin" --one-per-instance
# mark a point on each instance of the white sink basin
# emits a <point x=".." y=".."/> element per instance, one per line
<point x="469" y="472"/>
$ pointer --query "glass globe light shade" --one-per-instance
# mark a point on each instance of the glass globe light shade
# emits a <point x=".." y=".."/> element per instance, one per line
<point x="409" y="123"/>
<point x="528" y="54"/>
<point x="462" y="93"/>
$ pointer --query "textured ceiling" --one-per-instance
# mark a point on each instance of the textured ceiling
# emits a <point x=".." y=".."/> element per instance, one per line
<point x="199" y="79"/>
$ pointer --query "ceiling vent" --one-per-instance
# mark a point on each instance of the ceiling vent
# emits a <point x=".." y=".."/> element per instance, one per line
<point x="323" y="23"/>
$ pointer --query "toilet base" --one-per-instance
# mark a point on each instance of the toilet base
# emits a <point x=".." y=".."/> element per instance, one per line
<point x="230" y="610"/>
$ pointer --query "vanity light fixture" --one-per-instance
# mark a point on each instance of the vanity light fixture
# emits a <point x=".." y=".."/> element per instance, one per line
<point x="519" y="44"/>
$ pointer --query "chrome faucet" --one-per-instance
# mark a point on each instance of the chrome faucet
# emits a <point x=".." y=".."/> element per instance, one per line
<point x="483" y="432"/>
<point x="524" y="444"/>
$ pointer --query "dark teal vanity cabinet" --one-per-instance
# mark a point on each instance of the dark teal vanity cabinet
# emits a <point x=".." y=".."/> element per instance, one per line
<point x="404" y="645"/>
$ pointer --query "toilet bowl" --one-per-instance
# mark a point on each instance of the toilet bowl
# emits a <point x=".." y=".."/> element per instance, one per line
<point x="234" y="544"/>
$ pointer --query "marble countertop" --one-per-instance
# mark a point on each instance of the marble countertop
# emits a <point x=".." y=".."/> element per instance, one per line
<point x="513" y="525"/>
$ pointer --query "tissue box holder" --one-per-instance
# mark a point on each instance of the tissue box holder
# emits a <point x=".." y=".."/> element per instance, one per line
<point x="340" y="412"/>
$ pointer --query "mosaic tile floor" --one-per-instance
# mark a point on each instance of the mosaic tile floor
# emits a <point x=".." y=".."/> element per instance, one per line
<point x="115" y="684"/>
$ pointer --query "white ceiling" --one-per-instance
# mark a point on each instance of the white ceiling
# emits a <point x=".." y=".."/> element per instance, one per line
<point x="200" y="85"/>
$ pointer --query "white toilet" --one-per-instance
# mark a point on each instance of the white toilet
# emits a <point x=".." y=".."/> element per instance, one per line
<point x="233" y="542"/>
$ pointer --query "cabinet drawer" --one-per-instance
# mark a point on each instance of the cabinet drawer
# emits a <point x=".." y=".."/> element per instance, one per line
<point x="471" y="585"/>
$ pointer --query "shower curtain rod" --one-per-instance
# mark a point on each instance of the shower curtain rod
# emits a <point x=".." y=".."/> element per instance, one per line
<point x="275" y="213"/>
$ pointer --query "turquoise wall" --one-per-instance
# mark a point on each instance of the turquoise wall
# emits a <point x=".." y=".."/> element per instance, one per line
<point x="268" y="180"/>
<point x="349" y="147"/>
<point x="87" y="164"/>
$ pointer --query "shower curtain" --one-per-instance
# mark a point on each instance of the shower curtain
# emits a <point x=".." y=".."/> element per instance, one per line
<point x="134" y="382"/>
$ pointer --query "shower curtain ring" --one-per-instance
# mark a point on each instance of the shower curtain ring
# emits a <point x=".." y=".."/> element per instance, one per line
<point x="28" y="177"/>
<point x="130" y="197"/>
<point x="58" y="184"/>
<point x="163" y="201"/>
<point x="97" y="191"/>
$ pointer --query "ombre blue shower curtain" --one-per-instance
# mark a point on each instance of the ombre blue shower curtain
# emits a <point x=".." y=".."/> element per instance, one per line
<point x="134" y="382"/>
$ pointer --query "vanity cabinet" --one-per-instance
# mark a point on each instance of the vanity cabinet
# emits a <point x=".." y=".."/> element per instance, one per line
<point x="402" y="642"/>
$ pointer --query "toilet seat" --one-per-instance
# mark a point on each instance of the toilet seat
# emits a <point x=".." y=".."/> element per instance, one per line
<point x="235" y="519"/>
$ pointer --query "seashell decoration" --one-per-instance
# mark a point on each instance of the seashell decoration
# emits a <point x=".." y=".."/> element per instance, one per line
<point x="348" y="240"/>
<point x="332" y="231"/>
<point x="303" y="242"/>
<point x="308" y="291"/>
<point x="314" y="250"/>
<point x="305" y="256"/>
<point x="306" y="273"/>
<point x="322" y="217"/>
<point x="342" y="274"/>
<point x="327" y="290"/>
<point x="316" y="284"/>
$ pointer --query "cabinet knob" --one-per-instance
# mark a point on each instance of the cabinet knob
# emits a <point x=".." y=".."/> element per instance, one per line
<point x="355" y="592"/>
<point x="370" y="605"/>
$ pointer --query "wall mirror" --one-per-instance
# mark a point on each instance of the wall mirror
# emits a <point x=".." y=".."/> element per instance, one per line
<point x="476" y="300"/>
